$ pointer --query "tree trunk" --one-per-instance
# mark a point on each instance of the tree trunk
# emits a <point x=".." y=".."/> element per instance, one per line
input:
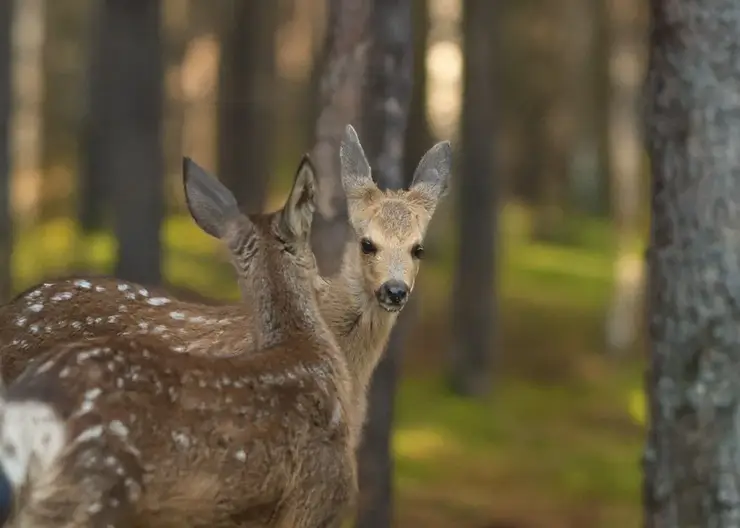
<point x="127" y="130"/>
<point x="625" y="159"/>
<point x="343" y="74"/>
<point x="6" y="89"/>
<point x="245" y="111"/>
<point x="692" y="467"/>
<point x="385" y="110"/>
<point x="474" y="301"/>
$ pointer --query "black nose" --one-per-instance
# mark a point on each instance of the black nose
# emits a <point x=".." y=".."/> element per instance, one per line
<point x="395" y="291"/>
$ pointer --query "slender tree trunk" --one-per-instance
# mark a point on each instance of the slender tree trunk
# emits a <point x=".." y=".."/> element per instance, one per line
<point x="385" y="110"/>
<point x="474" y="300"/>
<point x="625" y="158"/>
<point x="342" y="76"/>
<point x="245" y="111"/>
<point x="692" y="467"/>
<point x="127" y="130"/>
<point x="6" y="88"/>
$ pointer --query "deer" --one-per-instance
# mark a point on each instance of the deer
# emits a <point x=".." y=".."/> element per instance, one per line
<point x="123" y="430"/>
<point x="360" y="304"/>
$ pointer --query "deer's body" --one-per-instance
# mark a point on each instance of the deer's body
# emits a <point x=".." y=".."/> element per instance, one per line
<point x="127" y="430"/>
<point x="393" y="221"/>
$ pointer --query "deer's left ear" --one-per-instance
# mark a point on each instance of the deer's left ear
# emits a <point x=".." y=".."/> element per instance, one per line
<point x="432" y="176"/>
<point x="297" y="215"/>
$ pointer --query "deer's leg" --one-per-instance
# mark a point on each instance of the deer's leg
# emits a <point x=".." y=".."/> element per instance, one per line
<point x="95" y="482"/>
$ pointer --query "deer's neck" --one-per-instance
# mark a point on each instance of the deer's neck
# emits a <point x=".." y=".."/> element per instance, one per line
<point x="284" y="305"/>
<point x="360" y="326"/>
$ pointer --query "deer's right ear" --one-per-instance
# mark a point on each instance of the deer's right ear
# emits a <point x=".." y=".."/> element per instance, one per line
<point x="356" y="174"/>
<point x="211" y="204"/>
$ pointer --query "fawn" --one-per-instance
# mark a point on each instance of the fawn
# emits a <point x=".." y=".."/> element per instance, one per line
<point x="121" y="431"/>
<point x="360" y="304"/>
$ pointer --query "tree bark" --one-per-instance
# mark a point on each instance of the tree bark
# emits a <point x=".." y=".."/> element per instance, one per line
<point x="474" y="301"/>
<point x="385" y="110"/>
<point x="6" y="86"/>
<point x="126" y="129"/>
<point x="343" y="73"/>
<point x="692" y="459"/>
<point x="245" y="111"/>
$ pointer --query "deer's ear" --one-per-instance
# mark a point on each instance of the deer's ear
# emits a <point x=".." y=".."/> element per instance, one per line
<point x="432" y="175"/>
<point x="297" y="215"/>
<point x="210" y="203"/>
<point x="355" y="169"/>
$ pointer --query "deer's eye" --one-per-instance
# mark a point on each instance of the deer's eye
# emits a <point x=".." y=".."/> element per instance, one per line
<point x="417" y="251"/>
<point x="368" y="248"/>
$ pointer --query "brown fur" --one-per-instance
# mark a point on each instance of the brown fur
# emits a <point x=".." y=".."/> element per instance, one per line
<point x="216" y="438"/>
<point x="395" y="221"/>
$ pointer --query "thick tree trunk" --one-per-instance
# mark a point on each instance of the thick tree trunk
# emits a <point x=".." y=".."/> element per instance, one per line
<point x="245" y="111"/>
<point x="127" y="130"/>
<point x="6" y="90"/>
<point x="692" y="462"/>
<point x="385" y="110"/>
<point x="474" y="299"/>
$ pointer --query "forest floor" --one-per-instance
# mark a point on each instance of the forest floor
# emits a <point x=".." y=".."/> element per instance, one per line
<point x="558" y="442"/>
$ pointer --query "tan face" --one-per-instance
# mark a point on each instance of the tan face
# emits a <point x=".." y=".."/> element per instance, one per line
<point x="390" y="225"/>
<point x="390" y="234"/>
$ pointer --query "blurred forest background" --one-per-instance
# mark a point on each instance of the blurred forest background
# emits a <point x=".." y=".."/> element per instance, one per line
<point x="520" y="402"/>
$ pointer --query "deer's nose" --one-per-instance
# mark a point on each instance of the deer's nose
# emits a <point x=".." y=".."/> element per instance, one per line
<point x="394" y="292"/>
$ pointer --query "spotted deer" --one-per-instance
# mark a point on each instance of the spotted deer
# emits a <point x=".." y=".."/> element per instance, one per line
<point x="124" y="431"/>
<point x="360" y="303"/>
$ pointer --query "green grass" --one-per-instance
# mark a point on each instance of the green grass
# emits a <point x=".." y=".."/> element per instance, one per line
<point x="558" y="442"/>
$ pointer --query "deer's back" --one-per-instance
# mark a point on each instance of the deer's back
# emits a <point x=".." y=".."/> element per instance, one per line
<point x="249" y="431"/>
<point x="60" y="311"/>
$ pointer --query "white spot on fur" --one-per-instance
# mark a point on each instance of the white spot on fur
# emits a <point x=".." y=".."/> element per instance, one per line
<point x="64" y="372"/>
<point x="62" y="296"/>
<point x="83" y="284"/>
<point x="158" y="301"/>
<point x="182" y="440"/>
<point x="241" y="456"/>
<point x="123" y="287"/>
<point x="30" y="431"/>
<point x="36" y="307"/>
<point x="21" y="321"/>
<point x="143" y="292"/>
<point x="91" y="433"/>
<point x="177" y="315"/>
<point x="34" y="328"/>
<point x="99" y="289"/>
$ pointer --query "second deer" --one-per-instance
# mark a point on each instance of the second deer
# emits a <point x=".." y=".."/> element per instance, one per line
<point x="120" y="431"/>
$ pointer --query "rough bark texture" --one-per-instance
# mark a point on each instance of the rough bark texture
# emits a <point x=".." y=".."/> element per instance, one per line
<point x="245" y="111"/>
<point x="692" y="457"/>
<point x="475" y="308"/>
<point x="385" y="109"/>
<point x="6" y="224"/>
<point x="127" y="116"/>
<point x="343" y="74"/>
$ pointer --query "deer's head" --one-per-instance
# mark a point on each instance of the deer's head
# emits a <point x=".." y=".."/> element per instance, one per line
<point x="260" y="244"/>
<point x="390" y="225"/>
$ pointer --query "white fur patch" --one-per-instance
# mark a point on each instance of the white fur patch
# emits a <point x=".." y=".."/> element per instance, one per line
<point x="30" y="431"/>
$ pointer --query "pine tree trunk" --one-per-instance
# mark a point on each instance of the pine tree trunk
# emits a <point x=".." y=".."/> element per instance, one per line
<point x="127" y="130"/>
<point x="385" y="110"/>
<point x="692" y="463"/>
<point x="474" y="301"/>
<point x="6" y="86"/>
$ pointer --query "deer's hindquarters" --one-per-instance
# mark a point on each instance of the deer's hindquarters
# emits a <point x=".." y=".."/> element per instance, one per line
<point x="109" y="432"/>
